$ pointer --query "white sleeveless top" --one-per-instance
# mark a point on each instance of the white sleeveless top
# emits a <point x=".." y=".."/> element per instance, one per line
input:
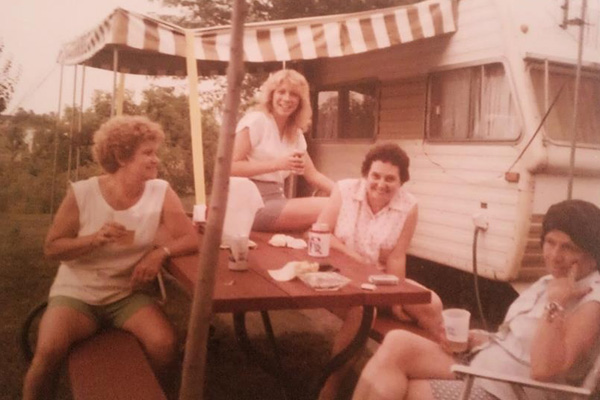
<point x="103" y="275"/>
<point x="373" y="236"/>
<point x="267" y="144"/>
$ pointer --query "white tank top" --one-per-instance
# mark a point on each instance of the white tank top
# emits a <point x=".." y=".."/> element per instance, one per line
<point x="103" y="275"/>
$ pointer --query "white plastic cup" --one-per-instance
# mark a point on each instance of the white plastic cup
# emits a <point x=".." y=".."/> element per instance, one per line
<point x="199" y="214"/>
<point x="456" y="323"/>
<point x="238" y="252"/>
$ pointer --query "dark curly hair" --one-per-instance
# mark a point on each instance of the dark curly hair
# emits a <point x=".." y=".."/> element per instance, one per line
<point x="390" y="153"/>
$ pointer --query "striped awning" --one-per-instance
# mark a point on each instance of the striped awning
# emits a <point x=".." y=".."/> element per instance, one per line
<point x="152" y="47"/>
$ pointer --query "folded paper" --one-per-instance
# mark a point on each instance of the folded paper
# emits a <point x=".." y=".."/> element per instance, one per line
<point x="293" y="269"/>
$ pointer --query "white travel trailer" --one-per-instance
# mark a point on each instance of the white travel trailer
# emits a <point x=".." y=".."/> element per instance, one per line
<point x="480" y="93"/>
<point x="468" y="109"/>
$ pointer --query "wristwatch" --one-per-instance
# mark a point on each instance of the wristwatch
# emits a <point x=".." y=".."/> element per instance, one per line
<point x="553" y="310"/>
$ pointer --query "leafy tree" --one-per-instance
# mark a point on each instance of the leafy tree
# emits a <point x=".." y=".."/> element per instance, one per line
<point x="202" y="13"/>
<point x="15" y="142"/>
<point x="162" y="105"/>
<point x="102" y="103"/>
<point x="25" y="175"/>
<point x="9" y="76"/>
<point x="171" y="110"/>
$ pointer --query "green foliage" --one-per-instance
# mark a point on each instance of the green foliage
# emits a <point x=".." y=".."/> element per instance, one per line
<point x="286" y="9"/>
<point x="27" y="146"/>
<point x="9" y="77"/>
<point x="202" y="13"/>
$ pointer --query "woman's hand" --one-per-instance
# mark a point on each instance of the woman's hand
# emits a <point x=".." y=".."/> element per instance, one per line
<point x="147" y="268"/>
<point x="478" y="337"/>
<point x="293" y="162"/>
<point x="110" y="232"/>
<point x="564" y="290"/>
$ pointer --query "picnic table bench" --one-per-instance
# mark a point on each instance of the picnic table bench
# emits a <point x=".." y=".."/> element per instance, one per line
<point x="112" y="365"/>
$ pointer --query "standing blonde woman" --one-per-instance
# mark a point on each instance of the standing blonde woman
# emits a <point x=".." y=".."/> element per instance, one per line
<point x="269" y="146"/>
<point x="105" y="236"/>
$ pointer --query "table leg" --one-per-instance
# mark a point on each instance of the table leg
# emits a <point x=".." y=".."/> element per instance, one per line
<point x="349" y="351"/>
<point x="241" y="334"/>
<point x="271" y="336"/>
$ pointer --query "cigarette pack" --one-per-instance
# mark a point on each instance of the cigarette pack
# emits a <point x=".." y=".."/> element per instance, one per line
<point x="384" y="279"/>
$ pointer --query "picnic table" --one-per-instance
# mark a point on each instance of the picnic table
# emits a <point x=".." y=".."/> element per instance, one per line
<point x="255" y="290"/>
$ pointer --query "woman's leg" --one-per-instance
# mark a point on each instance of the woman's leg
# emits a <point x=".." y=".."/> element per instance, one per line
<point x="152" y="328"/>
<point x="428" y="316"/>
<point x="397" y="367"/>
<point x="300" y="213"/>
<point x="60" y="327"/>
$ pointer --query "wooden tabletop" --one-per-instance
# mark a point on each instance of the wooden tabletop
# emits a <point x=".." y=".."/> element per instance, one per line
<point x="255" y="290"/>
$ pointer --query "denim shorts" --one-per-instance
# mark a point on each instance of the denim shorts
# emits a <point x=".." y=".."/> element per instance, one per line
<point x="274" y="199"/>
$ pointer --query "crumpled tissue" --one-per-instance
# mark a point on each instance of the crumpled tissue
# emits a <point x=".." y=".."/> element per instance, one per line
<point x="281" y="240"/>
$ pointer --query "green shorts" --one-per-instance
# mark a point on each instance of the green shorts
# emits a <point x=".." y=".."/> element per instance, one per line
<point x="112" y="314"/>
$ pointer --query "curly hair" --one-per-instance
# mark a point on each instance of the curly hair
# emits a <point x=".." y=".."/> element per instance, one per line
<point x="118" y="139"/>
<point x="390" y="153"/>
<point x="301" y="118"/>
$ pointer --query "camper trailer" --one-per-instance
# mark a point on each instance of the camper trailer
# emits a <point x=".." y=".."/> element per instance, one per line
<point x="487" y="116"/>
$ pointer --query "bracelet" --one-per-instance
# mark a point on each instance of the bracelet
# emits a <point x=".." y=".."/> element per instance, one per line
<point x="553" y="310"/>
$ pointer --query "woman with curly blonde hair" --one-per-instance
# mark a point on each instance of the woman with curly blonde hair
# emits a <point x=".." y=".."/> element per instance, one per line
<point x="270" y="145"/>
<point x="106" y="236"/>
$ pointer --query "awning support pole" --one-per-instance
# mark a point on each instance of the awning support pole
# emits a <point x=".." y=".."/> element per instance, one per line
<point x="574" y="130"/>
<point x="120" y="93"/>
<point x="195" y="119"/>
<point x="72" y="125"/>
<point x="114" y="93"/>
<point x="55" y="160"/>
<point x="80" y="125"/>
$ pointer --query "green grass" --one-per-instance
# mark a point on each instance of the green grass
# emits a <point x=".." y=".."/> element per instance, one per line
<point x="26" y="278"/>
<point x="24" y="282"/>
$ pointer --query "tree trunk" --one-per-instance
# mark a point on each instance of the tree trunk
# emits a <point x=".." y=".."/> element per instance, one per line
<point x="192" y="385"/>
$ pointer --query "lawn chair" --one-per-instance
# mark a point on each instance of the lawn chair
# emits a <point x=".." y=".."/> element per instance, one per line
<point x="587" y="390"/>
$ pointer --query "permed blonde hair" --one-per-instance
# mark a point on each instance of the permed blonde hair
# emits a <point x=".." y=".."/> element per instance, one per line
<point x="118" y="139"/>
<point x="301" y="118"/>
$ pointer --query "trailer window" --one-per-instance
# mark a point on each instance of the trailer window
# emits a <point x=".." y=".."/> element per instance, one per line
<point x="559" y="123"/>
<point x="472" y="104"/>
<point x="347" y="112"/>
